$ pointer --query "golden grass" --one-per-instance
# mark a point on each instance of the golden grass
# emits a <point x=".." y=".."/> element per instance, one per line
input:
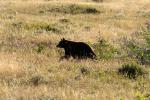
<point x="26" y="73"/>
<point x="9" y="66"/>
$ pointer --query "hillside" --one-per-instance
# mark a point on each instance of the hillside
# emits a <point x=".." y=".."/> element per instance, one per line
<point x="118" y="31"/>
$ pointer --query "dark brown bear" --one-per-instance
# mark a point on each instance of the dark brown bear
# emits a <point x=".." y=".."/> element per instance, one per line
<point x="78" y="50"/>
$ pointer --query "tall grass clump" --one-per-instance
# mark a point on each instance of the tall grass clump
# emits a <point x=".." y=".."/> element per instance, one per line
<point x="132" y="71"/>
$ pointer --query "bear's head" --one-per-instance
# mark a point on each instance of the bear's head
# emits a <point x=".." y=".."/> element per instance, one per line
<point x="62" y="43"/>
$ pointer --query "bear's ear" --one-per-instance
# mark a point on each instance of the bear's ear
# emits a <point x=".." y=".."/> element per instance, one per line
<point x="63" y="39"/>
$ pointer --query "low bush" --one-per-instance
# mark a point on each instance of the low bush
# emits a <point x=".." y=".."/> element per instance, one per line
<point x="104" y="50"/>
<point x="132" y="71"/>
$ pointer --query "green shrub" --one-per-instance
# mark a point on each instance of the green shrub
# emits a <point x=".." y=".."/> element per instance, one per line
<point x="140" y="51"/>
<point x="146" y="50"/>
<point x="142" y="54"/>
<point x="132" y="71"/>
<point x="146" y="35"/>
<point x="104" y="50"/>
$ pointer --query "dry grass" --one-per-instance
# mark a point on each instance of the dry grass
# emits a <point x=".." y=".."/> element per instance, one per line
<point x="29" y="25"/>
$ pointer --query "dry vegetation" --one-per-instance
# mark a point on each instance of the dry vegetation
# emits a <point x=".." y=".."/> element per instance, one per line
<point x="30" y="68"/>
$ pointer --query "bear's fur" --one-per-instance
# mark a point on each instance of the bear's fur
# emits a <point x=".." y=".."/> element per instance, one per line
<point x="78" y="50"/>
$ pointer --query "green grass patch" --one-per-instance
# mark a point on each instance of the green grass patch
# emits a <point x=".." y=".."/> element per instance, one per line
<point x="143" y="97"/>
<point x="37" y="26"/>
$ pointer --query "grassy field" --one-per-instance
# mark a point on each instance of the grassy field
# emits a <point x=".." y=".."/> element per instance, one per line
<point x="30" y="67"/>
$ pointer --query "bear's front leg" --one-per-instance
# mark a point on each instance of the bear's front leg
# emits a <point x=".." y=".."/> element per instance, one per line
<point x="64" y="57"/>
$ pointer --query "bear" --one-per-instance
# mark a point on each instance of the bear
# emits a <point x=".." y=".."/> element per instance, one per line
<point x="77" y="50"/>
